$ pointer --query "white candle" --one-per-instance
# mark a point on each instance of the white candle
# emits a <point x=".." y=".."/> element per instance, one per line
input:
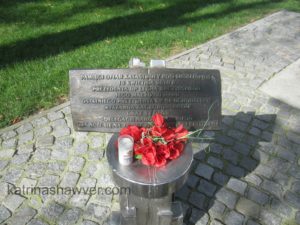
<point x="125" y="148"/>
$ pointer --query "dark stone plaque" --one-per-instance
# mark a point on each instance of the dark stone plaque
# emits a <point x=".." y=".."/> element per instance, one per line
<point x="107" y="100"/>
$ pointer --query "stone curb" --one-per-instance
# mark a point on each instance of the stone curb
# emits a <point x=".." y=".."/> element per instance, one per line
<point x="220" y="37"/>
<point x="43" y="113"/>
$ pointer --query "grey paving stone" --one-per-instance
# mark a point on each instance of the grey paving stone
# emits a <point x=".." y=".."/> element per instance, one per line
<point x="242" y="148"/>
<point x="252" y="140"/>
<point x="69" y="179"/>
<point x="248" y="163"/>
<point x="267" y="136"/>
<point x="48" y="180"/>
<point x="257" y="196"/>
<point x="196" y="215"/>
<point x="248" y="208"/>
<point x="296" y="187"/>
<point x="236" y="134"/>
<point x="36" y="169"/>
<point x="63" y="143"/>
<point x="12" y="202"/>
<point x="23" y="215"/>
<point x="70" y="216"/>
<point x="56" y="167"/>
<point x="60" y="131"/>
<point x="95" y="154"/>
<point x="215" y="222"/>
<point x="225" y="140"/>
<point x="55" y="116"/>
<point x="87" y="182"/>
<point x="26" y="182"/>
<point x="216" y="148"/>
<point x="38" y="122"/>
<point x="197" y="199"/>
<point x="281" y="208"/>
<point x="286" y="154"/>
<point x="255" y="131"/>
<point x="237" y="185"/>
<point x="260" y="124"/>
<point x="42" y="154"/>
<point x="270" y="218"/>
<point x="42" y="131"/>
<point x="24" y="128"/>
<point x="96" y="142"/>
<point x="235" y="171"/>
<point x="193" y="181"/>
<point x="230" y="155"/>
<point x="97" y="211"/>
<point x="264" y="170"/>
<point x="293" y="137"/>
<point x="207" y="188"/>
<point x="282" y="179"/>
<point x="9" y="144"/>
<point x="28" y="148"/>
<point x="20" y="159"/>
<point x="244" y="117"/>
<point x="89" y="222"/>
<point x="12" y="175"/>
<point x="76" y="164"/>
<point x="3" y="164"/>
<point x="203" y="220"/>
<point x="59" y="154"/>
<point x="79" y="200"/>
<point x="204" y="170"/>
<point x="220" y="178"/>
<point x="59" y="123"/>
<point x="9" y="134"/>
<point x="37" y="222"/>
<point x="81" y="148"/>
<point x="215" y="162"/>
<point x="216" y="210"/>
<point x="45" y="141"/>
<point x="25" y="138"/>
<point x="52" y="211"/>
<point x="4" y="213"/>
<point x="234" y="218"/>
<point x="292" y="199"/>
<point x="242" y="126"/>
<point x="251" y="222"/>
<point x="227" y="197"/>
<point x="297" y="217"/>
<point x="7" y="153"/>
<point x="272" y="187"/>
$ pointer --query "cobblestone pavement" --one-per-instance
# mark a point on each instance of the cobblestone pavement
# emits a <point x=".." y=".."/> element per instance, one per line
<point x="249" y="175"/>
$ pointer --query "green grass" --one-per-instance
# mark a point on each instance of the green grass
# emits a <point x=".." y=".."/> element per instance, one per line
<point x="40" y="40"/>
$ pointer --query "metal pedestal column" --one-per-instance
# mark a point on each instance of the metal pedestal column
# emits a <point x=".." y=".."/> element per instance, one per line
<point x="150" y="199"/>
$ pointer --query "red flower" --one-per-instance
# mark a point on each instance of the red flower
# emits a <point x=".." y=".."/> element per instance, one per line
<point x="181" y="132"/>
<point x="158" y="131"/>
<point x="158" y="120"/>
<point x="134" y="131"/>
<point x="157" y="145"/>
<point x="176" y="149"/>
<point x="148" y="155"/>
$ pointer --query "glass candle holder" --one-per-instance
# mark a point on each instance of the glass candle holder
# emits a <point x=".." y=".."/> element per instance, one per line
<point x="125" y="149"/>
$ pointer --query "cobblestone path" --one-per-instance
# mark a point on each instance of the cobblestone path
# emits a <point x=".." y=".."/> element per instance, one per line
<point x="249" y="175"/>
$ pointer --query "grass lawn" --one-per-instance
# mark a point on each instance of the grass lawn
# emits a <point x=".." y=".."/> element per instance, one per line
<point x="42" y="39"/>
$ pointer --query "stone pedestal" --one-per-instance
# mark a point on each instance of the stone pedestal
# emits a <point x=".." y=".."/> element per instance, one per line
<point x="150" y="199"/>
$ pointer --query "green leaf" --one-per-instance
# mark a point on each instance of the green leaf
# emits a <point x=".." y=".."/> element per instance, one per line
<point x="138" y="156"/>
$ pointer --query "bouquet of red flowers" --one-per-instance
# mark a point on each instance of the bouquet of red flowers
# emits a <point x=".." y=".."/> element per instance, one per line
<point x="158" y="144"/>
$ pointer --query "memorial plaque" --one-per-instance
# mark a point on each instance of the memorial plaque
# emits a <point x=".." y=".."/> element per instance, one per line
<point x="107" y="100"/>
